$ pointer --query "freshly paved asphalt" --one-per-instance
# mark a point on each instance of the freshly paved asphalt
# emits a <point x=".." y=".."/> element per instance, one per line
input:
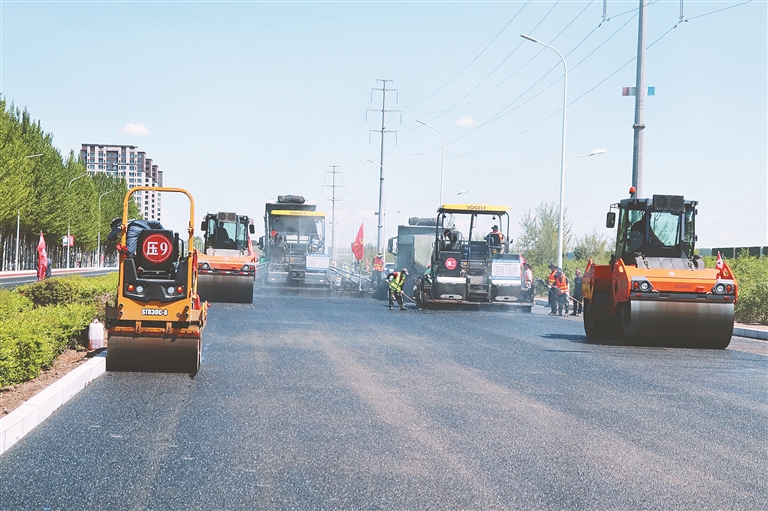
<point x="337" y="403"/>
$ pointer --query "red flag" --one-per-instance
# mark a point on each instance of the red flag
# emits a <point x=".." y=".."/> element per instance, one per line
<point x="42" y="256"/>
<point x="357" y="247"/>
<point x="719" y="264"/>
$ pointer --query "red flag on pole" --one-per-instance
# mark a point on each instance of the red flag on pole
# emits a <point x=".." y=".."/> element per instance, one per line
<point x="42" y="256"/>
<point x="358" y="248"/>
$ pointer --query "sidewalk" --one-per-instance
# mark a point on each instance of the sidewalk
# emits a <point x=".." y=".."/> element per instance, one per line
<point x="739" y="329"/>
<point x="54" y="271"/>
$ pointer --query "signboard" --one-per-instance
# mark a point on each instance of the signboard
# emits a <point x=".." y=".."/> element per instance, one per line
<point x="505" y="270"/>
<point x="318" y="262"/>
<point x="450" y="263"/>
<point x="71" y="241"/>
<point x="156" y="248"/>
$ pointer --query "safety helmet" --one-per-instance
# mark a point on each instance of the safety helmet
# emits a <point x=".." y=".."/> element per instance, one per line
<point x="405" y="271"/>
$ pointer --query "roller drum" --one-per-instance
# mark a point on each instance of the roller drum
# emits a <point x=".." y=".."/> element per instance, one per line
<point x="689" y="324"/>
<point x="153" y="354"/>
<point x="225" y="288"/>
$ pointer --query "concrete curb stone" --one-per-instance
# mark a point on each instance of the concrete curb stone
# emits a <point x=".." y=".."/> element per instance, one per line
<point x="24" y="419"/>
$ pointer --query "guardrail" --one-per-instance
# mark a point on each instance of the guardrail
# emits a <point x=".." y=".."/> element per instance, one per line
<point x="352" y="276"/>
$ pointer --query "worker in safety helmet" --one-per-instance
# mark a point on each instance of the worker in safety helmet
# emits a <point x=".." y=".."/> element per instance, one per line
<point x="396" y="282"/>
<point x="552" y="296"/>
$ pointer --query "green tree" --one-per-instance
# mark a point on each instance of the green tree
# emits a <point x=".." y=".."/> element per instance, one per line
<point x="593" y="246"/>
<point x="539" y="235"/>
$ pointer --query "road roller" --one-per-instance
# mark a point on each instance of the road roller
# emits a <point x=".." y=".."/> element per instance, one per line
<point x="157" y="321"/>
<point x="656" y="290"/>
<point x="227" y="266"/>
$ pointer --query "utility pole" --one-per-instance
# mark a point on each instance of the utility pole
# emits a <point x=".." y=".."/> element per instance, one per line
<point x="640" y="94"/>
<point x="333" y="209"/>
<point x="382" y="212"/>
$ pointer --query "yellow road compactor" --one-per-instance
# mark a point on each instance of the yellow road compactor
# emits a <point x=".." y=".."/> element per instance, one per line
<point x="157" y="323"/>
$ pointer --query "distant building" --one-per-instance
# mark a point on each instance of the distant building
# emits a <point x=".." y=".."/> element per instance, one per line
<point x="127" y="162"/>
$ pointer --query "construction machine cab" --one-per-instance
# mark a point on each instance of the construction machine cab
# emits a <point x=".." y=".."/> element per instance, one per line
<point x="662" y="227"/>
<point x="226" y="231"/>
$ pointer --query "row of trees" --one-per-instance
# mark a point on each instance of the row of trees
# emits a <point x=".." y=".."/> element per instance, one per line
<point x="538" y="242"/>
<point x="47" y="193"/>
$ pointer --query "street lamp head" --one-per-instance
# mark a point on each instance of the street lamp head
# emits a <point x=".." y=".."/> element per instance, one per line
<point x="33" y="155"/>
<point x="421" y="122"/>
<point x="529" y="38"/>
<point x="597" y="151"/>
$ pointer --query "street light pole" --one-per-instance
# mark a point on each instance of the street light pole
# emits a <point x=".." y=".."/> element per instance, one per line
<point x="562" y="150"/>
<point x="562" y="195"/>
<point x="69" y="213"/>
<point x="18" y="224"/>
<point x="98" y="240"/>
<point x="442" y="158"/>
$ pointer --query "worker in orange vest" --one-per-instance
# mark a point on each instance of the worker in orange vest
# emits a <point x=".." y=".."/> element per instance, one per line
<point x="378" y="269"/>
<point x="561" y="284"/>
<point x="552" y="296"/>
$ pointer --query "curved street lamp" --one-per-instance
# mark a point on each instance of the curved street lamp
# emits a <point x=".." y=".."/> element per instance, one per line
<point x="562" y="150"/>
<point x="562" y="196"/>
<point x="69" y="213"/>
<point x="98" y="241"/>
<point x="18" y="223"/>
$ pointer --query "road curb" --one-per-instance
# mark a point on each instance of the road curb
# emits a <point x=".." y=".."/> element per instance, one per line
<point x="24" y="419"/>
<point x="752" y="333"/>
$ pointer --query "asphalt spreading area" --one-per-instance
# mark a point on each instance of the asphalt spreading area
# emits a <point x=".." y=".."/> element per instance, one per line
<point x="327" y="402"/>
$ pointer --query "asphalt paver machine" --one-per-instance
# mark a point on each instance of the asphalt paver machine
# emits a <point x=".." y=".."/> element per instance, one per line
<point x="471" y="264"/>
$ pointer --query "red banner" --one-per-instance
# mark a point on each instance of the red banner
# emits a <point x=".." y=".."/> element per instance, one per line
<point x="358" y="248"/>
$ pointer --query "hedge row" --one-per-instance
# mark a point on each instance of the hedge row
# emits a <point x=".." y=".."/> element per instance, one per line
<point x="752" y="277"/>
<point x="38" y="321"/>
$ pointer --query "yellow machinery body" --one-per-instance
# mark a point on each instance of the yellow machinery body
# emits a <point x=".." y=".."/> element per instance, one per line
<point x="653" y="292"/>
<point x="158" y="320"/>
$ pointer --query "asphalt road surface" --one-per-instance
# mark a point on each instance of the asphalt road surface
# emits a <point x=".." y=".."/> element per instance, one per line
<point x="338" y="403"/>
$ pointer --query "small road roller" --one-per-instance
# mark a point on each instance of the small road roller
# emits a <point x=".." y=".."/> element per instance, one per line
<point x="227" y="266"/>
<point x="157" y="322"/>
<point x="656" y="290"/>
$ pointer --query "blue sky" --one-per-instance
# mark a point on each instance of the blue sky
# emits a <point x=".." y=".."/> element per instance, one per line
<point x="241" y="101"/>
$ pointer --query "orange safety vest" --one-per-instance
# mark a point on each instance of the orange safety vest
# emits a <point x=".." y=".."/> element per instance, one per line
<point x="378" y="263"/>
<point x="551" y="278"/>
<point x="561" y="283"/>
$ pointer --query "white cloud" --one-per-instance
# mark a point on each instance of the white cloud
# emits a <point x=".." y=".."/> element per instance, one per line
<point x="138" y="130"/>
<point x="465" y="122"/>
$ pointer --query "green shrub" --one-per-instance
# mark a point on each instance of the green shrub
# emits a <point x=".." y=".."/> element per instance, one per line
<point x="12" y="303"/>
<point x="39" y="320"/>
<point x="33" y="338"/>
<point x="751" y="275"/>
<point x="50" y="292"/>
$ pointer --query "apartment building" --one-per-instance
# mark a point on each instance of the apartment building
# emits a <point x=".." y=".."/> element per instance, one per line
<point x="127" y="162"/>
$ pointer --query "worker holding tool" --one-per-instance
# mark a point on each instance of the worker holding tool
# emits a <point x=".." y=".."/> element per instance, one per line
<point x="396" y="282"/>
<point x="561" y="285"/>
<point x="552" y="296"/>
<point x="577" y="295"/>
